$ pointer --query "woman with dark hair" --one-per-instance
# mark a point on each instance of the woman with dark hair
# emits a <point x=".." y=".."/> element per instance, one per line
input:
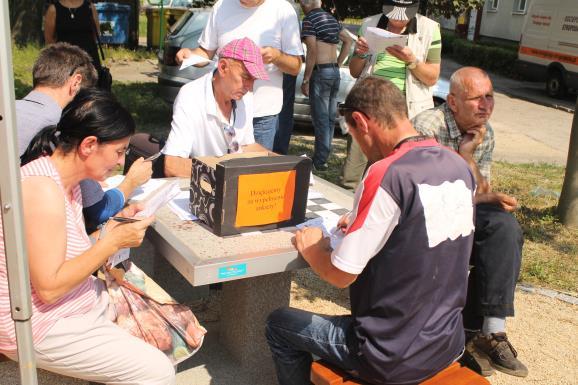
<point x="71" y="331"/>
<point x="74" y="22"/>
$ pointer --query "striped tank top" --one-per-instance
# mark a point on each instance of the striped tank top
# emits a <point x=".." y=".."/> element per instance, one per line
<point x="80" y="300"/>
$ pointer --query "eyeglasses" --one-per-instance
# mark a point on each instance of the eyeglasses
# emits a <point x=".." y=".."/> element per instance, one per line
<point x="343" y="107"/>
<point x="231" y="139"/>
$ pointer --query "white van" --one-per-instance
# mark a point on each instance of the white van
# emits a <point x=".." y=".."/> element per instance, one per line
<point x="549" y="45"/>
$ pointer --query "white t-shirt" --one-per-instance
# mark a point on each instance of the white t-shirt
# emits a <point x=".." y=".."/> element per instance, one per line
<point x="197" y="128"/>
<point x="272" y="24"/>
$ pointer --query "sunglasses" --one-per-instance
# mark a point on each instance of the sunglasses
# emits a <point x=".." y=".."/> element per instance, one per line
<point x="342" y="108"/>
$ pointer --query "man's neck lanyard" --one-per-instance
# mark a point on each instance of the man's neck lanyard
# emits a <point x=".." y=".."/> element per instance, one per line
<point x="415" y="138"/>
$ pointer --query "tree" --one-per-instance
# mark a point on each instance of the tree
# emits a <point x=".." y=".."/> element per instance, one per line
<point x="26" y="20"/>
<point x="364" y="8"/>
<point x="568" y="204"/>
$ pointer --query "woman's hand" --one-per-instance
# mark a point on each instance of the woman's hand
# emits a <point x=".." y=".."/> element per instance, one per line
<point x="127" y="235"/>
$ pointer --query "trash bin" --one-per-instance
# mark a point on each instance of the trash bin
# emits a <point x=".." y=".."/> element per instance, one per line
<point x="171" y="15"/>
<point x="113" y="19"/>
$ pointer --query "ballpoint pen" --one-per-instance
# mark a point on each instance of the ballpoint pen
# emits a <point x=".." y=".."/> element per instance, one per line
<point x="124" y="220"/>
<point x="153" y="157"/>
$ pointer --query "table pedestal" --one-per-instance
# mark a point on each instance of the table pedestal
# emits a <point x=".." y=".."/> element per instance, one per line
<point x="245" y="306"/>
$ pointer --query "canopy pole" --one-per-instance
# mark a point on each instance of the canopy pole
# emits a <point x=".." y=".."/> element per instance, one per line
<point x="11" y="209"/>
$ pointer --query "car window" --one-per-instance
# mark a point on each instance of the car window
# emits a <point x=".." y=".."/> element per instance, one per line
<point x="181" y="3"/>
<point x="197" y="22"/>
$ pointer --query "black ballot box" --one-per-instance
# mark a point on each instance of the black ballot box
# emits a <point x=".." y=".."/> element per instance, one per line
<point x="252" y="191"/>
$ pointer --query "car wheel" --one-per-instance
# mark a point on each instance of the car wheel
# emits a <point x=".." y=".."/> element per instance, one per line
<point x="555" y="85"/>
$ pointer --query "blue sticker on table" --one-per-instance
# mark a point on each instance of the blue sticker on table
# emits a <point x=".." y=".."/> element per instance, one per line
<point x="232" y="271"/>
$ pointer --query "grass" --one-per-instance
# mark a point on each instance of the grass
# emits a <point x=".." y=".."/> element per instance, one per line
<point x="550" y="256"/>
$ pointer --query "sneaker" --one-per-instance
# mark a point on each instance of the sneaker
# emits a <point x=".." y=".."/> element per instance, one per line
<point x="321" y="167"/>
<point x="476" y="360"/>
<point x="500" y="353"/>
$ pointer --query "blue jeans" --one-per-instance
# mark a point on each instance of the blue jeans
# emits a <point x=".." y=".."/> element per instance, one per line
<point x="323" y="88"/>
<point x="285" y="122"/>
<point x="264" y="128"/>
<point x="294" y="334"/>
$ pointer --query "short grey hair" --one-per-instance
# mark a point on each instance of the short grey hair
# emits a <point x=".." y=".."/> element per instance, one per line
<point x="311" y="3"/>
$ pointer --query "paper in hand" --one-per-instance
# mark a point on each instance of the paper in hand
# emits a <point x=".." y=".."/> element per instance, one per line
<point x="379" y="39"/>
<point x="193" y="60"/>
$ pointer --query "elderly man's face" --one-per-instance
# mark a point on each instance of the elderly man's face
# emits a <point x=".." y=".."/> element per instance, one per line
<point x="237" y="79"/>
<point x="473" y="103"/>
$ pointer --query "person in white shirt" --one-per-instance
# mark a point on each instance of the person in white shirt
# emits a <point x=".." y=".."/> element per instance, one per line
<point x="273" y="26"/>
<point x="213" y="115"/>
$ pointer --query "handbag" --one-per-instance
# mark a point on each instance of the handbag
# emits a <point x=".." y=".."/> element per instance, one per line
<point x="142" y="308"/>
<point x="144" y="145"/>
<point x="104" y="77"/>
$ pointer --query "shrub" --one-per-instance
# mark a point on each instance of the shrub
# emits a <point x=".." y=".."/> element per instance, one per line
<point x="493" y="58"/>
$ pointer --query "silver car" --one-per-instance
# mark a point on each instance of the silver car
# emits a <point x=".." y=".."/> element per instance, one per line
<point x="186" y="32"/>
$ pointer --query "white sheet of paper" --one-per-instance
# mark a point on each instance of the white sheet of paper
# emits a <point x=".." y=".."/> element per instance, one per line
<point x="328" y="225"/>
<point x="120" y="256"/>
<point x="180" y="206"/>
<point x="159" y="198"/>
<point x="192" y="60"/>
<point x="141" y="192"/>
<point x="379" y="39"/>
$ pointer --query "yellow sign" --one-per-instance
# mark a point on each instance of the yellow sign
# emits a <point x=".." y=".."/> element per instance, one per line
<point x="265" y="198"/>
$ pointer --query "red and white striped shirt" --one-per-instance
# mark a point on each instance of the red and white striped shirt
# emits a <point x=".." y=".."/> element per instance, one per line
<point x="78" y="301"/>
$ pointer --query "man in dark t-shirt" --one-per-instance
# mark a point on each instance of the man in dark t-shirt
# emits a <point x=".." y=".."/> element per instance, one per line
<point x="321" y="33"/>
<point x="404" y="255"/>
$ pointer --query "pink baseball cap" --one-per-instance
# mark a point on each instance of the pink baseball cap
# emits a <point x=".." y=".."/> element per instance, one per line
<point x="249" y="53"/>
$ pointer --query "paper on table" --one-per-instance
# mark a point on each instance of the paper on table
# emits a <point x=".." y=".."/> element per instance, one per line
<point x="328" y="224"/>
<point x="379" y="39"/>
<point x="180" y="206"/>
<point x="140" y="193"/>
<point x="192" y="60"/>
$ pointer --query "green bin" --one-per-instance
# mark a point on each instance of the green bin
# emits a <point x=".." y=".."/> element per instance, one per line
<point x="170" y="16"/>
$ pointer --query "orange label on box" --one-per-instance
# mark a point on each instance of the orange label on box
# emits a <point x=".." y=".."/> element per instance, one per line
<point x="265" y="198"/>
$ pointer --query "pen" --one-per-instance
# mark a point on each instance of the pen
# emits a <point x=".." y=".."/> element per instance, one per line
<point x="153" y="157"/>
<point x="124" y="220"/>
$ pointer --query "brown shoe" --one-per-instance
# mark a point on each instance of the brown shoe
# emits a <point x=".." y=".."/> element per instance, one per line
<point x="500" y="352"/>
<point x="476" y="360"/>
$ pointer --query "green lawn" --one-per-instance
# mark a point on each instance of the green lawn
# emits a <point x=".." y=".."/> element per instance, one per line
<point x="550" y="250"/>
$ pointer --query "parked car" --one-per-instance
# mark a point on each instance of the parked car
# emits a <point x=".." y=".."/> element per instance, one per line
<point x="185" y="34"/>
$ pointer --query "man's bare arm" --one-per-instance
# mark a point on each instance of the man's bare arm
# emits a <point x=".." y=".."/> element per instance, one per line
<point x="290" y="64"/>
<point x="316" y="251"/>
<point x="345" y="47"/>
<point x="310" y="61"/>
<point x="177" y="166"/>
<point x="199" y="51"/>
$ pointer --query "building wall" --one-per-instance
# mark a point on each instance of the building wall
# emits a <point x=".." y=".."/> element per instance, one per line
<point x="503" y="23"/>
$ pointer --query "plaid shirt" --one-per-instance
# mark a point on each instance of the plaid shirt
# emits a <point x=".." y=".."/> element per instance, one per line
<point x="440" y="124"/>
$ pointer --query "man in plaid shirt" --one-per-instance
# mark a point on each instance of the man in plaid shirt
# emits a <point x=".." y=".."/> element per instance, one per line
<point x="462" y="124"/>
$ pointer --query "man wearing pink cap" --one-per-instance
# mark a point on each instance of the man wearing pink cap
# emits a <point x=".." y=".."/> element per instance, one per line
<point x="273" y="26"/>
<point x="213" y="115"/>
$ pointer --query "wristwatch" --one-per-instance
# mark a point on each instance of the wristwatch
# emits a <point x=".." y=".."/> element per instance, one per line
<point x="412" y="65"/>
<point x="305" y="81"/>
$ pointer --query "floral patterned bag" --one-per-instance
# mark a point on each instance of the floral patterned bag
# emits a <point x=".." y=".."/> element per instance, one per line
<point x="141" y="307"/>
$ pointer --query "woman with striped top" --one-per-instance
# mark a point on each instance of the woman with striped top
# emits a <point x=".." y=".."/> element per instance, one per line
<point x="71" y="332"/>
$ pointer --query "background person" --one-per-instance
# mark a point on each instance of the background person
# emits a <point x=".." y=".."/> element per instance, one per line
<point x="213" y="115"/>
<point x="59" y="73"/>
<point x="407" y="292"/>
<point x="462" y="124"/>
<point x="414" y="68"/>
<point x="71" y="332"/>
<point x="273" y="26"/>
<point x="321" y="34"/>
<point x="73" y="22"/>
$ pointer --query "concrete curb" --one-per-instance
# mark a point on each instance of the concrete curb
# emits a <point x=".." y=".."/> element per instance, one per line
<point x="565" y="297"/>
